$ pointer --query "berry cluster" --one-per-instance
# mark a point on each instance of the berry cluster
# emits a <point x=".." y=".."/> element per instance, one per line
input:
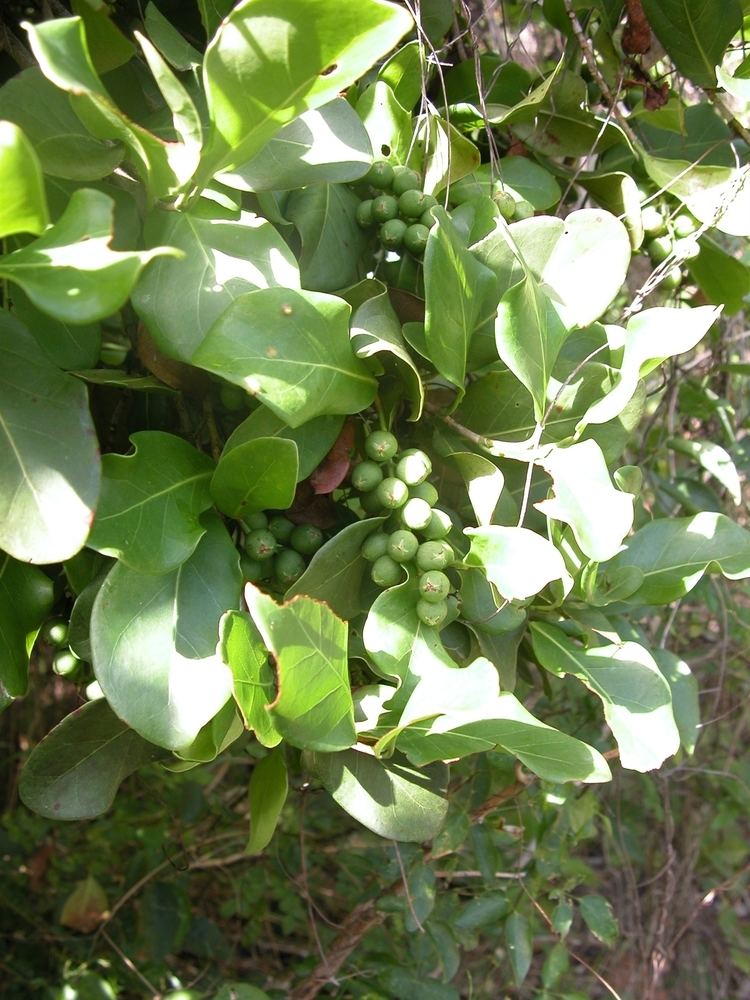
<point x="65" y="663"/>
<point x="414" y="536"/>
<point x="664" y="232"/>
<point x="277" y="550"/>
<point x="399" y="207"/>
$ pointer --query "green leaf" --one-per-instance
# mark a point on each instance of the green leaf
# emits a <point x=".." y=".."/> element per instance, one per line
<point x="332" y="241"/>
<point x="108" y="46"/>
<point x="266" y="65"/>
<point x="584" y="497"/>
<point x="222" y="260"/>
<point x="241" y="648"/>
<point x="61" y="51"/>
<point x="650" y="337"/>
<point x="70" y="271"/>
<point x="150" y="503"/>
<point x="617" y="192"/>
<point x="26" y="599"/>
<point x="529" y="181"/>
<point x="556" y="964"/>
<point x="314" y="439"/>
<point x="64" y="147"/>
<point x="24" y="205"/>
<point x="695" y="33"/>
<point x="721" y="277"/>
<point x="671" y="555"/>
<point x="338" y="574"/>
<point x="49" y="461"/>
<point x="636" y="698"/>
<point x="718" y="196"/>
<point x="484" y="483"/>
<point x="213" y="13"/>
<point x="74" y="773"/>
<point x="599" y="918"/>
<point x="257" y="475"/>
<point x="212" y="739"/>
<point x="313" y="708"/>
<point x="517" y="561"/>
<point x="714" y="459"/>
<point x="267" y="794"/>
<point x="387" y="121"/>
<point x="519" y="945"/>
<point x="403" y="73"/>
<point x="685" y="700"/>
<point x="390" y="798"/>
<point x="168" y="40"/>
<point x="292" y="350"/>
<point x="457" y="288"/>
<point x="67" y="345"/>
<point x="153" y="639"/>
<point x="440" y="153"/>
<point x="327" y="145"/>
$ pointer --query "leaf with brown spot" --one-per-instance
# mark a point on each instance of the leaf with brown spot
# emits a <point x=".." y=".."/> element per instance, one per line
<point x="85" y="907"/>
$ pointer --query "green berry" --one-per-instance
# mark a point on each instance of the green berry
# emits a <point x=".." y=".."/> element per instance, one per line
<point x="288" y="566"/>
<point x="427" y="218"/>
<point x="434" y="586"/>
<point x="281" y="528"/>
<point x="391" y="234"/>
<point x="653" y="221"/>
<point x="112" y="353"/>
<point x="405" y="179"/>
<point x="366" y="476"/>
<point x="432" y="614"/>
<point x="434" y="555"/>
<point x="413" y="203"/>
<point x="393" y="493"/>
<point x="381" y="446"/>
<point x="439" y="526"/>
<point x="55" y="631"/>
<point x="371" y="504"/>
<point x="402" y="546"/>
<point x="384" y="208"/>
<point x="252" y="569"/>
<point x="375" y="546"/>
<point x="232" y="398"/>
<point x="65" y="663"/>
<point x="524" y="210"/>
<point x="415" y="239"/>
<point x="506" y="204"/>
<point x="364" y="214"/>
<point x="673" y="278"/>
<point x="416" y="514"/>
<point x="306" y="539"/>
<point x="260" y="544"/>
<point x="687" y="248"/>
<point x="425" y="491"/>
<point x="414" y="467"/>
<point x="684" y="224"/>
<point x="386" y="572"/>
<point x="659" y="248"/>
<point x="256" y="521"/>
<point x="380" y="175"/>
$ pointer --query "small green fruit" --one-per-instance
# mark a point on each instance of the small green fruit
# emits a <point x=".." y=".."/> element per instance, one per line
<point x="366" y="476"/>
<point x="415" y="239"/>
<point x="684" y="224"/>
<point x="392" y="233"/>
<point x="364" y="214"/>
<point x="288" y="566"/>
<point x="232" y="398"/>
<point x="381" y="446"/>
<point x="653" y="221"/>
<point x="260" y="544"/>
<point x="416" y="514"/>
<point x="405" y="179"/>
<point x="425" y="491"/>
<point x="380" y="175"/>
<point x="427" y="218"/>
<point x="506" y="204"/>
<point x="375" y="546"/>
<point x="65" y="663"/>
<point x="402" y="546"/>
<point x="307" y="539"/>
<point x="413" y="203"/>
<point x="432" y="614"/>
<point x="673" y="278"/>
<point x="659" y="248"/>
<point x="55" y="631"/>
<point x="370" y="503"/>
<point x="384" y="208"/>
<point x="386" y="572"/>
<point x="392" y="493"/>
<point x="252" y="569"/>
<point x="434" y="586"/>
<point x="434" y="555"/>
<point x="439" y="526"/>
<point x="281" y="528"/>
<point x="113" y="353"/>
<point x="524" y="210"/>
<point x="414" y="467"/>
<point x="256" y="521"/>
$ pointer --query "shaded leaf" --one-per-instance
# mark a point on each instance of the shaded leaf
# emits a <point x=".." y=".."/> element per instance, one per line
<point x="258" y="475"/>
<point x="332" y="241"/>
<point x="85" y="907"/>
<point x="241" y="648"/>
<point x="314" y="438"/>
<point x="267" y="794"/>
<point x="26" y="599"/>
<point x="519" y="944"/>
<point x="685" y="700"/>
<point x="599" y="918"/>
<point x="695" y="33"/>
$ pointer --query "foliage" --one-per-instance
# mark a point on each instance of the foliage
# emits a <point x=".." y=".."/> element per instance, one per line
<point x="354" y="428"/>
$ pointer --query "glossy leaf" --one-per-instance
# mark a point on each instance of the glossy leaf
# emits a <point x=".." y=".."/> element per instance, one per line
<point x="70" y="271"/>
<point x="671" y="555"/>
<point x="49" y="461"/>
<point x="314" y="439"/>
<point x="292" y="350"/>
<point x="685" y="696"/>
<point x="387" y="122"/>
<point x="241" y="648"/>
<point x="390" y="798"/>
<point x="153" y="639"/>
<point x="266" y="65"/>
<point x="695" y="33"/>
<point x="24" y="205"/>
<point x="74" y="773"/>
<point x="440" y="153"/>
<point x="26" y="599"/>
<point x="584" y="497"/>
<point x="67" y="345"/>
<point x="221" y="260"/>
<point x="517" y="561"/>
<point x="168" y="40"/>
<point x="313" y="708"/>
<point x="721" y="277"/>
<point x="267" y="794"/>
<point x="714" y="459"/>
<point x="258" y="475"/>
<point x="332" y="242"/>
<point x="212" y="738"/>
<point x="717" y="196"/>
<point x="527" y="180"/>
<point x="150" y="503"/>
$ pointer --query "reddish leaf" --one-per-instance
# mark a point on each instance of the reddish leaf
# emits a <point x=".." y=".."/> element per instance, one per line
<point x="334" y="468"/>
<point x="85" y="907"/>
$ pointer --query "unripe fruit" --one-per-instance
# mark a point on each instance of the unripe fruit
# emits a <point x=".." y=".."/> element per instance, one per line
<point x="392" y="233"/>
<point x="281" y="528"/>
<point x="413" y="203"/>
<point x="524" y="210"/>
<point x="256" y="521"/>
<point x="380" y="175"/>
<point x="65" y="663"/>
<point x="252" y="569"/>
<point x="405" y="179"/>
<point x="381" y="446"/>
<point x="416" y="514"/>
<point x="506" y="204"/>
<point x="415" y="239"/>
<point x="432" y="614"/>
<point x="384" y="207"/>
<point x="364" y="213"/>
<point x="260" y="544"/>
<point x="673" y="278"/>
<point x="375" y="546"/>
<point x="653" y="221"/>
<point x="659" y="248"/>
<point x="392" y="493"/>
<point x="232" y="398"/>
<point x="687" y="248"/>
<point x="371" y="504"/>
<point x="386" y="572"/>
<point x="366" y="476"/>
<point x="439" y="526"/>
<point x="434" y="555"/>
<point x="288" y="566"/>
<point x="55" y="631"/>
<point x="427" y="219"/>
<point x="684" y="224"/>
<point x="402" y="546"/>
<point x="414" y="467"/>
<point x="425" y="491"/>
<point x="112" y="353"/>
<point x="434" y="586"/>
<point x="306" y="539"/>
